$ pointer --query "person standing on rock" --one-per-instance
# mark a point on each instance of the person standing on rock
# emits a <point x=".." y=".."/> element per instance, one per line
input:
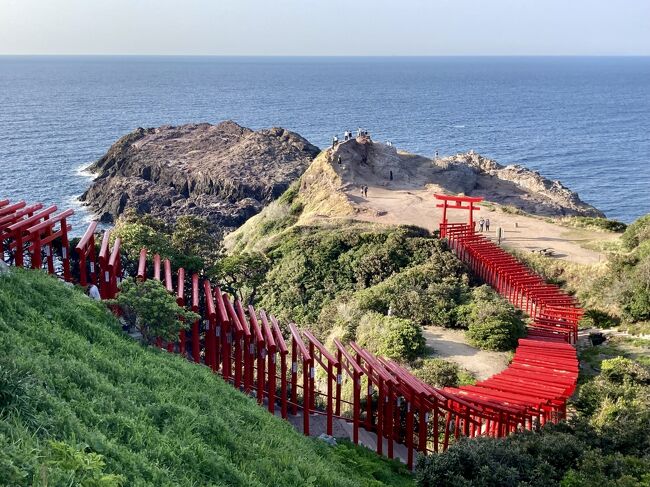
<point x="335" y="141"/>
<point x="365" y="191"/>
<point x="487" y="224"/>
<point x="390" y="174"/>
<point x="339" y="160"/>
<point x="481" y="224"/>
<point x="436" y="155"/>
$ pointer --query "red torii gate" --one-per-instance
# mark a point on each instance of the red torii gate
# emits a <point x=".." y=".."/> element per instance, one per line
<point x="86" y="251"/>
<point x="457" y="205"/>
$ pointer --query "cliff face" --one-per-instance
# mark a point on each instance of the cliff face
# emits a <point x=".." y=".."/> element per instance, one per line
<point x="223" y="172"/>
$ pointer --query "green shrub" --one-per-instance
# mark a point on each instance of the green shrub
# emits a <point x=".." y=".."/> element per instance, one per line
<point x="596" y="222"/>
<point x="312" y="266"/>
<point x="427" y="293"/>
<point x="491" y="322"/>
<point x="595" y="318"/>
<point x="155" y="309"/>
<point x="438" y="372"/>
<point x="636" y="233"/>
<point x="391" y="337"/>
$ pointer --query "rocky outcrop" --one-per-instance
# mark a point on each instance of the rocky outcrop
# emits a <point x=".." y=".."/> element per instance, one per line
<point x="514" y="185"/>
<point x="225" y="173"/>
<point x="364" y="162"/>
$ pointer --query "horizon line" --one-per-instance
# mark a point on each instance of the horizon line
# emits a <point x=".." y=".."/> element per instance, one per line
<point x="341" y="56"/>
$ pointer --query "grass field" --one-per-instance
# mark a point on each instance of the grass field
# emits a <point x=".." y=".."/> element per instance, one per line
<point x="81" y="404"/>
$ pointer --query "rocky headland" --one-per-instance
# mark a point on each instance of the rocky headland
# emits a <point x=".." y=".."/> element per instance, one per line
<point x="225" y="173"/>
<point x="360" y="162"/>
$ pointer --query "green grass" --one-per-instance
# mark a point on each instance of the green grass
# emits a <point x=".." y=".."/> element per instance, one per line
<point x="68" y="374"/>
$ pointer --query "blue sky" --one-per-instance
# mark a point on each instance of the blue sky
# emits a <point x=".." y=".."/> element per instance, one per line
<point x="332" y="27"/>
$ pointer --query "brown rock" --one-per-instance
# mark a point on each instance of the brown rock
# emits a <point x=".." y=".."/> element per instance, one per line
<point x="224" y="172"/>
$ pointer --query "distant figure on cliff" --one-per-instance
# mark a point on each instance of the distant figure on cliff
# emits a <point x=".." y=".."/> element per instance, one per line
<point x="339" y="160"/>
<point x="365" y="191"/>
<point x="359" y="132"/>
<point x="487" y="224"/>
<point x="436" y="155"/>
<point x="391" y="174"/>
<point x="93" y="292"/>
<point x="335" y="141"/>
<point x="481" y="224"/>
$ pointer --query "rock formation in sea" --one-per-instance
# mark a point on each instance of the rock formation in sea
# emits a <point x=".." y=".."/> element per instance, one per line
<point x="225" y="173"/>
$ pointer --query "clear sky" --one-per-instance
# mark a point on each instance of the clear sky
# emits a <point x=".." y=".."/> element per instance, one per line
<point x="326" y="27"/>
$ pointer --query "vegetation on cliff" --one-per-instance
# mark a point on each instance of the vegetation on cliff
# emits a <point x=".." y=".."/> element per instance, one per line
<point x="82" y="404"/>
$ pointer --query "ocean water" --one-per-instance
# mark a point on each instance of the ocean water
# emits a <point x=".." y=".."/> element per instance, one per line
<point x="585" y="121"/>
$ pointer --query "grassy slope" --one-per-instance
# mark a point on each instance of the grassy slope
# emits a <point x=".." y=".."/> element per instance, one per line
<point x="157" y="419"/>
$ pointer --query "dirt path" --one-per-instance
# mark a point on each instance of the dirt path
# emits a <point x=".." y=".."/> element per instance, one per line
<point x="417" y="207"/>
<point x="451" y="345"/>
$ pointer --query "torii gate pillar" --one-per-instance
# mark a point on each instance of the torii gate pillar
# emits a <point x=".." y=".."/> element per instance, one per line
<point x="456" y="203"/>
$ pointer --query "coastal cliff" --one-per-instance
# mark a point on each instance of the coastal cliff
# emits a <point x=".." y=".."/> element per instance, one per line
<point x="225" y="173"/>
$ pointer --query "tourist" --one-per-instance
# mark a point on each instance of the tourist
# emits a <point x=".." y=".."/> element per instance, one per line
<point x="436" y="155"/>
<point x="487" y="224"/>
<point x="481" y="224"/>
<point x="93" y="292"/>
<point x="335" y="141"/>
<point x="359" y="132"/>
<point x="365" y="191"/>
<point x="339" y="160"/>
<point x="391" y="174"/>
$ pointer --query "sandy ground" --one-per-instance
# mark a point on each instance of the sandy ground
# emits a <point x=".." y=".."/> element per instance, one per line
<point x="452" y="345"/>
<point x="417" y="207"/>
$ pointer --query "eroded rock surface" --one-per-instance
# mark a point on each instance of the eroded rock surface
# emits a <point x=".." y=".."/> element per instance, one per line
<point x="225" y="173"/>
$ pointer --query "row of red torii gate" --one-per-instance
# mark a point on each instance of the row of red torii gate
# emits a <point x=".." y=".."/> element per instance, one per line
<point x="290" y="372"/>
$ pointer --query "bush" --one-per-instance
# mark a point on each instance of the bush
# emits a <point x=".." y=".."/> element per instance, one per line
<point x="530" y="459"/>
<point x="595" y="318"/>
<point x="390" y="337"/>
<point x="598" y="223"/>
<point x="156" y="312"/>
<point x="636" y="233"/>
<point x="312" y="266"/>
<point x="492" y="323"/>
<point x="189" y="243"/>
<point x="427" y="293"/>
<point x="438" y="373"/>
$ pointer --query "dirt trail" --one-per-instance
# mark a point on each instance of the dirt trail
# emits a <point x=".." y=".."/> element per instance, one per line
<point x="452" y="345"/>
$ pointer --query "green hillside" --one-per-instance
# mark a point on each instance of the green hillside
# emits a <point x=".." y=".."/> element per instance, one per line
<point x="81" y="404"/>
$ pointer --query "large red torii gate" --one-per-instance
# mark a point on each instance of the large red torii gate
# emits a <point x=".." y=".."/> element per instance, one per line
<point x="457" y="205"/>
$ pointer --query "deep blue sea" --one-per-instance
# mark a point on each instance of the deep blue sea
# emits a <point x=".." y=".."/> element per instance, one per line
<point x="585" y="121"/>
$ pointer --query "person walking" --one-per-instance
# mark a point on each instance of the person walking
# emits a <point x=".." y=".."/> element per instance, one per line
<point x="481" y="224"/>
<point x="339" y="160"/>
<point x="390" y="175"/>
<point x="487" y="224"/>
<point x="365" y="191"/>
<point x="335" y="141"/>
